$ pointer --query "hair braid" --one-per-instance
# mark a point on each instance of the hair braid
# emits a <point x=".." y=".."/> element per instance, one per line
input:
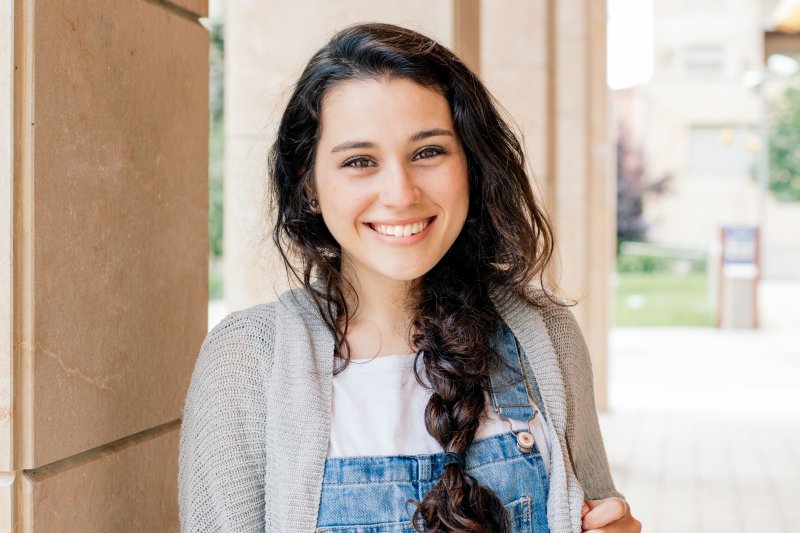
<point x="454" y="318"/>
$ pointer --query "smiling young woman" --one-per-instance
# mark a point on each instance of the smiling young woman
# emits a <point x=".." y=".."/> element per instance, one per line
<point x="420" y="377"/>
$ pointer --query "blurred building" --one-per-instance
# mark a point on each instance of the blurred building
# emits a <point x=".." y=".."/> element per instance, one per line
<point x="701" y="126"/>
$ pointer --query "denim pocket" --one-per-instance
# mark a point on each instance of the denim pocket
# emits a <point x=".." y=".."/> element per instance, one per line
<point x="394" y="527"/>
<point x="518" y="514"/>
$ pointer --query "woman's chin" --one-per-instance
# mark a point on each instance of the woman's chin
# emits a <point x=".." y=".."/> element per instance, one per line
<point x="402" y="272"/>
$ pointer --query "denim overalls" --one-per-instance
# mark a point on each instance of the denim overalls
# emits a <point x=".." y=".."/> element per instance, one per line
<point x="369" y="494"/>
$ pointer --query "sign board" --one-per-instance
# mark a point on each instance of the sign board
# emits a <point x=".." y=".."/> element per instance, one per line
<point x="738" y="284"/>
<point x="740" y="245"/>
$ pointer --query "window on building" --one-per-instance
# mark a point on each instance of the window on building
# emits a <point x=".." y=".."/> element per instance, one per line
<point x="704" y="60"/>
<point x="722" y="151"/>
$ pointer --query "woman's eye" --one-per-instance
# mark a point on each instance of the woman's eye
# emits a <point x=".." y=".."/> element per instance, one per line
<point x="357" y="162"/>
<point x="430" y="151"/>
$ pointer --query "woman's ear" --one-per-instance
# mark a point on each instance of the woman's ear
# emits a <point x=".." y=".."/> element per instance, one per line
<point x="309" y="188"/>
<point x="311" y="196"/>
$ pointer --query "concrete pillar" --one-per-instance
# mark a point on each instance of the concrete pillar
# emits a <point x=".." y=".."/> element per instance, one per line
<point x="545" y="61"/>
<point x="103" y="257"/>
<point x="7" y="473"/>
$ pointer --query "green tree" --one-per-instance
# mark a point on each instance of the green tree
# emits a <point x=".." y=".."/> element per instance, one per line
<point x="216" y="157"/>
<point x="216" y="140"/>
<point x="784" y="146"/>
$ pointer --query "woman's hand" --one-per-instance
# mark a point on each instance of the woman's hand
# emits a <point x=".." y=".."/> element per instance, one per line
<point x="611" y="515"/>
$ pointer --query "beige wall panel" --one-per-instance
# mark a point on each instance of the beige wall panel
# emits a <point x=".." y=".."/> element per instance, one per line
<point x="571" y="150"/>
<point x="573" y="205"/>
<point x="522" y="92"/>
<point x="6" y="248"/>
<point x="194" y="7"/>
<point x="513" y="33"/>
<point x="6" y="501"/>
<point x="602" y="188"/>
<point x="572" y="255"/>
<point x="250" y="257"/>
<point x="514" y="67"/>
<point x="267" y="45"/>
<point x="274" y="39"/>
<point x="120" y="242"/>
<point x="466" y="34"/>
<point x="572" y="97"/>
<point x="131" y="489"/>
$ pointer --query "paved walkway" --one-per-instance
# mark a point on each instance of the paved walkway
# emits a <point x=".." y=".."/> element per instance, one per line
<point x="703" y="431"/>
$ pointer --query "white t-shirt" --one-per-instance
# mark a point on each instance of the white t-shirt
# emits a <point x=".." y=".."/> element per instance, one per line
<point x="379" y="410"/>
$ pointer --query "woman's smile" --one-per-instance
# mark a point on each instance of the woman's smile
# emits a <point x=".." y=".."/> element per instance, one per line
<point x="401" y="233"/>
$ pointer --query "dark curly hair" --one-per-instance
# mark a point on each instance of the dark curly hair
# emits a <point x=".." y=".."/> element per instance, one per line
<point x="504" y="246"/>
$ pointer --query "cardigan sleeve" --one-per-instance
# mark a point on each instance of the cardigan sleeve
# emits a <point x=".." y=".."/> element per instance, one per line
<point x="222" y="446"/>
<point x="584" y="439"/>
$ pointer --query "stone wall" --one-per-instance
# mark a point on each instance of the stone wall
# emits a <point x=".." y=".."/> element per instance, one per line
<point x="104" y="298"/>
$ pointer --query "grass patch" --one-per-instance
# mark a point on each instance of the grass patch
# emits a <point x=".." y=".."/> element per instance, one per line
<point x="662" y="299"/>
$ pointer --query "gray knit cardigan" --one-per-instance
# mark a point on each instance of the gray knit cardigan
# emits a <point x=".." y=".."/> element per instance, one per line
<point x="257" y="417"/>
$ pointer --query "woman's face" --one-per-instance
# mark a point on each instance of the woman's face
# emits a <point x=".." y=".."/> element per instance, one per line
<point x="391" y="177"/>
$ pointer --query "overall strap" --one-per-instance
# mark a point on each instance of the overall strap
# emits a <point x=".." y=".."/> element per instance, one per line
<point x="537" y="394"/>
<point x="508" y="388"/>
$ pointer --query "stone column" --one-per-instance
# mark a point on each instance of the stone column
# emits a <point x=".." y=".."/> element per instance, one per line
<point x="545" y="61"/>
<point x="103" y="257"/>
<point x="7" y="473"/>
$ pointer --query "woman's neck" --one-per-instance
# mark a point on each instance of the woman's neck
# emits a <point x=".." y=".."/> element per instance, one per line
<point x="381" y="321"/>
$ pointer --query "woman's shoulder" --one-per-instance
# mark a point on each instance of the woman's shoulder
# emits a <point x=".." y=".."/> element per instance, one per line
<point x="553" y="312"/>
<point x="553" y="308"/>
<point x="252" y="327"/>
<point x="247" y="337"/>
<point x="556" y="310"/>
<point x="238" y="349"/>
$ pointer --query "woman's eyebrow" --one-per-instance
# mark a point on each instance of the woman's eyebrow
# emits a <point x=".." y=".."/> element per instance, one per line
<point x="352" y="145"/>
<point x="430" y="133"/>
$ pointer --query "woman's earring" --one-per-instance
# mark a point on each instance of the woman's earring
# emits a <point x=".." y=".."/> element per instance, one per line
<point x="314" y="205"/>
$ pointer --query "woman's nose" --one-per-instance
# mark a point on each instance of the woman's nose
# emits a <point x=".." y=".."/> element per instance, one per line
<point x="397" y="187"/>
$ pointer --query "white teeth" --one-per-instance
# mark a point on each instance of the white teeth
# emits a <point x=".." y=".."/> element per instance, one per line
<point x="401" y="231"/>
